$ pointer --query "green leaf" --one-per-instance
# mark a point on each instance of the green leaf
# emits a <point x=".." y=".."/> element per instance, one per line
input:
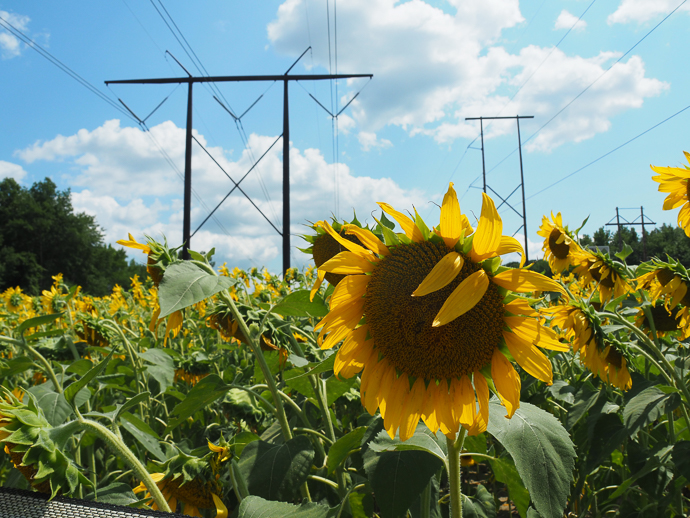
<point x="482" y="505"/>
<point x="542" y="451"/>
<point x="422" y="440"/>
<point x="646" y="407"/>
<point x="184" y="284"/>
<point x="162" y="367"/>
<point x="627" y="250"/>
<point x="54" y="405"/>
<point x="505" y="472"/>
<point x="398" y="477"/>
<point x="241" y="440"/>
<point x="317" y="368"/>
<point x="255" y="507"/>
<point x="297" y="304"/>
<point x="294" y="379"/>
<point x="681" y="458"/>
<point x="143" y="434"/>
<point x="654" y="461"/>
<point x="36" y="321"/>
<point x="276" y="471"/>
<point x="139" y="398"/>
<point x="336" y="387"/>
<point x="80" y="367"/>
<point x="341" y="448"/>
<point x="117" y="493"/>
<point x="562" y="391"/>
<point x="74" y="388"/>
<point x="273" y="361"/>
<point x="585" y="398"/>
<point x="203" y="394"/>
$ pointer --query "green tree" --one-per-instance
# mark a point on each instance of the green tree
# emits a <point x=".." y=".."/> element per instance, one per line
<point x="661" y="241"/>
<point x="41" y="236"/>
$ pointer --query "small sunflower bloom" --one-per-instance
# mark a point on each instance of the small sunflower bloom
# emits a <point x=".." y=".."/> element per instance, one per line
<point x="428" y="324"/>
<point x="674" y="180"/>
<point x="560" y="247"/>
<point x="608" y="275"/>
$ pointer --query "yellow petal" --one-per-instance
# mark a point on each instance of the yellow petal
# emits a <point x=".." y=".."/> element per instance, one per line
<point x="482" y="389"/>
<point x="405" y="223"/>
<point x="221" y="510"/>
<point x="349" y="245"/>
<point x="368" y="239"/>
<point x="487" y="238"/>
<point x="386" y="387"/>
<point x="468" y="293"/>
<point x="441" y="275"/>
<point x="350" y="288"/>
<point x="320" y="275"/>
<point x="132" y="243"/>
<point x="525" y="281"/>
<point x="412" y="409"/>
<point x="507" y="382"/>
<point x="529" y="357"/>
<point x="370" y="397"/>
<point x="444" y="410"/>
<point x="347" y="263"/>
<point x="429" y="412"/>
<point x="398" y="394"/>
<point x="464" y="405"/>
<point x="510" y="244"/>
<point x="451" y="218"/>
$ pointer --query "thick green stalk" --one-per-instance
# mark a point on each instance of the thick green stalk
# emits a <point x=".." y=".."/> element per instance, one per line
<point x="39" y="357"/>
<point x="126" y="454"/>
<point x="454" y="449"/>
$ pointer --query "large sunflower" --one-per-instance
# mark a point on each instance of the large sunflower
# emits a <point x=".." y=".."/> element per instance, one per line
<point x="430" y="318"/>
<point x="674" y="180"/>
<point x="560" y="248"/>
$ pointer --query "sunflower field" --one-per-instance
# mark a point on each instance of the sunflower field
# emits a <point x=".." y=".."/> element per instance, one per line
<point x="408" y="373"/>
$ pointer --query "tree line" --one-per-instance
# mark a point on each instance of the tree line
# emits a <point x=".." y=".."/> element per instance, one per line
<point x="41" y="236"/>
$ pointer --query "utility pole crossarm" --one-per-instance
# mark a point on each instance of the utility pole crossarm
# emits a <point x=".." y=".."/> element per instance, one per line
<point x="230" y="79"/>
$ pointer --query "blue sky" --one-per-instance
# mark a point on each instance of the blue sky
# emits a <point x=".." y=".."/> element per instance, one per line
<point x="400" y="141"/>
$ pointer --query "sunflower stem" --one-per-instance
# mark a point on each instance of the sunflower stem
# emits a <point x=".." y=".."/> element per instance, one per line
<point x="454" y="474"/>
<point x="126" y="454"/>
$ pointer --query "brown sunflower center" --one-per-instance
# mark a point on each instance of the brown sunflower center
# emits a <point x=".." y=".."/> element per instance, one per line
<point x="663" y="320"/>
<point x="614" y="358"/>
<point x="401" y="324"/>
<point x="194" y="492"/>
<point x="664" y="276"/>
<point x="325" y="248"/>
<point x="559" y="250"/>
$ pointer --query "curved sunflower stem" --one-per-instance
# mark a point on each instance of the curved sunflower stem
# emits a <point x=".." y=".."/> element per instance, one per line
<point x="454" y="449"/>
<point x="266" y="371"/>
<point x="46" y="365"/>
<point x="126" y="454"/>
<point x="667" y="369"/>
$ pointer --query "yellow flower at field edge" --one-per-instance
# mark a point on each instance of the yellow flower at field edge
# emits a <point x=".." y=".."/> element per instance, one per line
<point x="436" y="322"/>
<point x="191" y="495"/>
<point x="674" y="180"/>
<point x="560" y="249"/>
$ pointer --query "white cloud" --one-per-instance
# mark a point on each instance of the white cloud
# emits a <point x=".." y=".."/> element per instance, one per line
<point x="567" y="20"/>
<point x="10" y="170"/>
<point x="10" y="45"/>
<point x="641" y="11"/>
<point x="369" y="140"/>
<point x="433" y="68"/>
<point x="128" y="186"/>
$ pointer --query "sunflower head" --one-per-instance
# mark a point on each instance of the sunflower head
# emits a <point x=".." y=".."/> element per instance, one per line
<point x="323" y="247"/>
<point x="159" y="255"/>
<point x="34" y="449"/>
<point x="609" y="276"/>
<point x="15" y="300"/>
<point x="190" y="481"/>
<point x="560" y="246"/>
<point x="91" y="331"/>
<point x="432" y="319"/>
<point x="674" y="180"/>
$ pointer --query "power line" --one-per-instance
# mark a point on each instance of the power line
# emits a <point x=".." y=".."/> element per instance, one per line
<point x="590" y="85"/>
<point x="55" y="61"/>
<point x="607" y="154"/>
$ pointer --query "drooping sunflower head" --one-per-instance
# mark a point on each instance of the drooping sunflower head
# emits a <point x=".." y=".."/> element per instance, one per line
<point x="15" y="300"/>
<point x="431" y="318"/>
<point x="26" y="437"/>
<point x="323" y="247"/>
<point x="560" y="246"/>
<point x="674" y="180"/>
<point x="189" y="481"/>
<point x="664" y="280"/>
<point x="609" y="276"/>
<point x="159" y="255"/>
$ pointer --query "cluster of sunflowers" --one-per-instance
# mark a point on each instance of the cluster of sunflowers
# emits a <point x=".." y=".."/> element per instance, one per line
<point x="262" y="388"/>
